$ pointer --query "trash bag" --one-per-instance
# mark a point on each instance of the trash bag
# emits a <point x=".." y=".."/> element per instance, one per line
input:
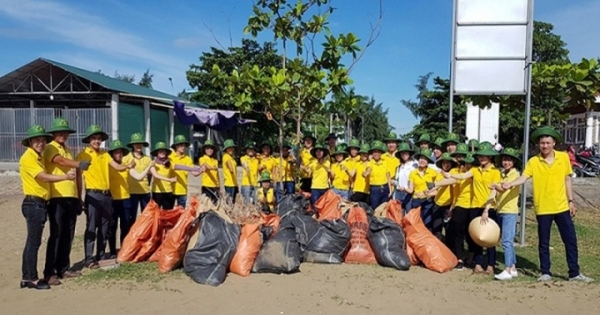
<point x="167" y="221"/>
<point x="329" y="243"/>
<point x="414" y="260"/>
<point x="328" y="206"/>
<point x="387" y="240"/>
<point x="289" y="203"/>
<point x="269" y="224"/>
<point x="428" y="248"/>
<point x="368" y="210"/>
<point x="207" y="262"/>
<point x="280" y="254"/>
<point x="321" y="258"/>
<point x="247" y="250"/>
<point x="393" y="211"/>
<point x="360" y="250"/>
<point x="175" y="243"/>
<point x="306" y="228"/>
<point x="142" y="235"/>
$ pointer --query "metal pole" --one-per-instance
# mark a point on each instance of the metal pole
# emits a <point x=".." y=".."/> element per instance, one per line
<point x="452" y="59"/>
<point x="527" y="119"/>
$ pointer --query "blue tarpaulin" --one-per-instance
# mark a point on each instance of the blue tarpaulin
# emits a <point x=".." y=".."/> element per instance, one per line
<point x="215" y="119"/>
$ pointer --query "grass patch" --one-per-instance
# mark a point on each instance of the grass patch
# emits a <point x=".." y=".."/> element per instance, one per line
<point x="146" y="272"/>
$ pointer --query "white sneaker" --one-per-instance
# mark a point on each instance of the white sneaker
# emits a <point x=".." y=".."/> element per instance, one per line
<point x="581" y="278"/>
<point x="514" y="273"/>
<point x="545" y="278"/>
<point x="503" y="276"/>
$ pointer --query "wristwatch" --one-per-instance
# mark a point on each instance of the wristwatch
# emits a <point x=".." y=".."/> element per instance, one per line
<point x="570" y="200"/>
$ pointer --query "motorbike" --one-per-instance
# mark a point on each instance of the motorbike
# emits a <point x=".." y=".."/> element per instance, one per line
<point x="583" y="166"/>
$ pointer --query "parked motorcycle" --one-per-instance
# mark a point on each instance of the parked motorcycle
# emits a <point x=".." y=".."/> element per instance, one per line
<point x="582" y="166"/>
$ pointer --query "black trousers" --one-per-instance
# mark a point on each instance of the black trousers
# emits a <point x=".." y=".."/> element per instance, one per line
<point x="165" y="201"/>
<point x="305" y="184"/>
<point x="34" y="211"/>
<point x="212" y="193"/>
<point x="359" y="197"/>
<point x="99" y="216"/>
<point x="62" y="216"/>
<point x="459" y="224"/>
<point x="438" y="213"/>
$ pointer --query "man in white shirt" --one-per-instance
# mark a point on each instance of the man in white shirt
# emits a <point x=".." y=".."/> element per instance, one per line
<point x="407" y="164"/>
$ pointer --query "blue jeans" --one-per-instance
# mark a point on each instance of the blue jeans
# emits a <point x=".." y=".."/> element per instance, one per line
<point x="491" y="252"/>
<point x="248" y="193"/>
<point x="289" y="188"/>
<point x="342" y="193"/>
<point x="508" y="226"/>
<point x="231" y="191"/>
<point x="315" y="194"/>
<point x="379" y="195"/>
<point x="181" y="200"/>
<point x="564" y="222"/>
<point x="125" y="214"/>
<point x="405" y="199"/>
<point x="426" y="211"/>
<point x="139" y="200"/>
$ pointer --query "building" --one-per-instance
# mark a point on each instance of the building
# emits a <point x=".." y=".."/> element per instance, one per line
<point x="583" y="127"/>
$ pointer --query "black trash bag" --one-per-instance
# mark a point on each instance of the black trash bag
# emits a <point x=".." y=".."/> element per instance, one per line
<point x="387" y="240"/>
<point x="306" y="228"/>
<point x="209" y="260"/>
<point x="368" y="210"/>
<point x="292" y="203"/>
<point x="281" y="253"/>
<point x="331" y="240"/>
<point x="320" y="258"/>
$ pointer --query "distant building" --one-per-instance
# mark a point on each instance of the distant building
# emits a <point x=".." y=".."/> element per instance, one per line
<point x="583" y="128"/>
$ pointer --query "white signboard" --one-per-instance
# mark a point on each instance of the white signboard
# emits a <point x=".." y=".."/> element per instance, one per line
<point x="483" y="124"/>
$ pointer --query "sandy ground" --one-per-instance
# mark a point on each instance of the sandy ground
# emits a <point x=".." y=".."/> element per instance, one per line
<point x="317" y="289"/>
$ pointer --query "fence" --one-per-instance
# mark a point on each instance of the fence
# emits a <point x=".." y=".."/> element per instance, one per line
<point x="14" y="123"/>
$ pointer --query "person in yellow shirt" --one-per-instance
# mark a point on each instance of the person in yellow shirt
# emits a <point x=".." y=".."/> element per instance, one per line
<point x="249" y="172"/>
<point x="449" y="144"/>
<point x="265" y="194"/>
<point x="353" y="151"/>
<point x="64" y="206"/>
<point x="389" y="156"/>
<point x="360" y="183"/>
<point x="98" y="201"/>
<point x="379" y="176"/>
<point x="163" y="177"/>
<point x="551" y="172"/>
<point x="342" y="173"/>
<point x="437" y="149"/>
<point x="179" y="157"/>
<point x="211" y="182"/>
<point x="330" y="144"/>
<point x="284" y="172"/>
<point x="443" y="196"/>
<point x="230" y="169"/>
<point x="320" y="170"/>
<point x="139" y="190"/>
<point x="460" y="152"/>
<point x="35" y="181"/>
<point x="424" y="142"/>
<point x="267" y="161"/>
<point x="420" y="181"/>
<point x="305" y="158"/>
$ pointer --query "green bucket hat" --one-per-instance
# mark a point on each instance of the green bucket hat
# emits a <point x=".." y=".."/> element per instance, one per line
<point x="512" y="153"/>
<point x="354" y="143"/>
<point x="364" y="149"/>
<point x="468" y="159"/>
<point x="461" y="149"/>
<point x="452" y="137"/>
<point x="180" y="139"/>
<point x="426" y="153"/>
<point x="378" y="146"/>
<point x="286" y="145"/>
<point x="331" y="136"/>
<point x="485" y="149"/>
<point x="209" y="143"/>
<point x="473" y="143"/>
<point x="546" y="131"/>
<point x="266" y="143"/>
<point x="265" y="177"/>
<point x="438" y="143"/>
<point x="34" y="132"/>
<point x="446" y="157"/>
<point x="392" y="137"/>
<point x="116" y="145"/>
<point x="229" y="144"/>
<point x="60" y="124"/>
<point x="323" y="147"/>
<point x="404" y="147"/>
<point x="137" y="138"/>
<point x="308" y="134"/>
<point x="424" y="138"/>
<point x="94" y="130"/>
<point x="340" y="149"/>
<point x="161" y="146"/>
<point x="249" y="145"/>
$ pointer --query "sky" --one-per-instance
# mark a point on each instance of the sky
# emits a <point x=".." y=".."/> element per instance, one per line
<point x="166" y="37"/>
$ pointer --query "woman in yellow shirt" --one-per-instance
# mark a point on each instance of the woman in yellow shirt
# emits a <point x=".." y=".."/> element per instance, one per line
<point x="342" y="172"/>
<point x="139" y="190"/>
<point x="444" y="196"/>
<point x="249" y="172"/>
<point x="320" y="170"/>
<point x="230" y="169"/>
<point x="265" y="195"/>
<point x="379" y="175"/>
<point x="267" y="161"/>
<point x="360" y="182"/>
<point x="163" y="177"/>
<point x="284" y="172"/>
<point x="420" y="181"/>
<point x="180" y="158"/>
<point x="306" y="159"/>
<point x="507" y="201"/>
<point x="211" y="182"/>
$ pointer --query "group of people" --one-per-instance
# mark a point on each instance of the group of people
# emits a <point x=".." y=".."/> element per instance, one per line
<point x="449" y="181"/>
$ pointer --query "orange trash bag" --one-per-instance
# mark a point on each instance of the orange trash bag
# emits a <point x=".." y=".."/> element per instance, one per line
<point x="414" y="260"/>
<point x="360" y="251"/>
<point x="176" y="241"/>
<point x="247" y="250"/>
<point x="428" y="248"/>
<point x="270" y="221"/>
<point x="393" y="211"/>
<point x="143" y="229"/>
<point x="328" y="206"/>
<point x="168" y="219"/>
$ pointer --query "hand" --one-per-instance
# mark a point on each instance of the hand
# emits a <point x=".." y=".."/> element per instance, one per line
<point x="152" y="163"/>
<point x="506" y="186"/>
<point x="446" y="174"/>
<point x="484" y="217"/>
<point x="400" y="188"/>
<point x="84" y="165"/>
<point x="572" y="209"/>
<point x="203" y="168"/>
<point x="173" y="179"/>
<point x="495" y="186"/>
<point x="131" y="165"/>
<point x="81" y="208"/>
<point x="71" y="175"/>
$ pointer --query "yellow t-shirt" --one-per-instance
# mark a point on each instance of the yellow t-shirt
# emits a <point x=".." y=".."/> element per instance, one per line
<point x="508" y="201"/>
<point x="341" y="179"/>
<point x="119" y="188"/>
<point x="379" y="173"/>
<point x="269" y="164"/>
<point x="96" y="177"/>
<point x="392" y="161"/>
<point x="549" y="189"/>
<point x="65" y="188"/>
<point x="361" y="184"/>
<point x="465" y="192"/>
<point x="285" y="171"/>
<point x="352" y="161"/>
<point x="163" y="186"/>
<point x="180" y="187"/>
<point x="31" y="165"/>
<point x="210" y="178"/>
<point x="270" y="197"/>
<point x="306" y="159"/>
<point x="320" y="177"/>
<point x="420" y="181"/>
<point x="482" y="180"/>
<point x="445" y="195"/>
<point x="138" y="187"/>
<point x="230" y="178"/>
<point x="250" y="177"/>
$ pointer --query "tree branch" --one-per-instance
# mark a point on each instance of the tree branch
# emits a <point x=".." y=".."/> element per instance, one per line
<point x="375" y="32"/>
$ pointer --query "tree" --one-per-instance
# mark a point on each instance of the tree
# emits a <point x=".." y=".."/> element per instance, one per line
<point x="371" y="121"/>
<point x="548" y="47"/>
<point x="124" y="77"/>
<point x="146" y="80"/>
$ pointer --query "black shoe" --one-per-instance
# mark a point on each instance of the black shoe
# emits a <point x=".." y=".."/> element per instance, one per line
<point x="40" y="285"/>
<point x="460" y="266"/>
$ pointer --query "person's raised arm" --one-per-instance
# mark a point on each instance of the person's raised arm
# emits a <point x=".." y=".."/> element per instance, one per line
<point x="49" y="178"/>
<point x="158" y="176"/>
<point x="140" y="176"/>
<point x="119" y="167"/>
<point x="410" y="189"/>
<point x="460" y="176"/>
<point x="445" y="182"/>
<point x="517" y="182"/>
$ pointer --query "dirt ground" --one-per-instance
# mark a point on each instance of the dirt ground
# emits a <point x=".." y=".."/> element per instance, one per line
<point x="317" y="289"/>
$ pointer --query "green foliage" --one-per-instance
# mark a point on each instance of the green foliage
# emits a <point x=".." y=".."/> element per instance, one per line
<point x="146" y="80"/>
<point x="548" y="47"/>
<point x="370" y="121"/>
<point x="124" y="77"/>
